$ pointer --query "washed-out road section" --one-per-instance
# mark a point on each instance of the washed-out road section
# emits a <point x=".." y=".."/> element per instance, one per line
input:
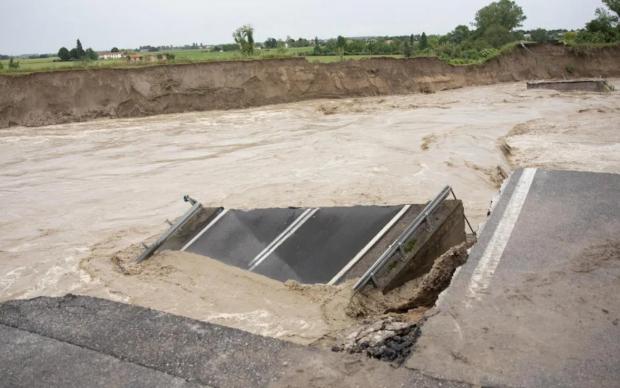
<point x="538" y="302"/>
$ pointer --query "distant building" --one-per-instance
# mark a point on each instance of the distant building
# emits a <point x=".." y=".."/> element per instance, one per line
<point x="110" y="55"/>
<point x="135" y="58"/>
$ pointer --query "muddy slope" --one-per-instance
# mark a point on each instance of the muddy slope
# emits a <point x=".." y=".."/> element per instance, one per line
<point x="65" y="96"/>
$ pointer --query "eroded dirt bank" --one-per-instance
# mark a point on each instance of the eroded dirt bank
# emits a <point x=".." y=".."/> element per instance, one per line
<point x="67" y="96"/>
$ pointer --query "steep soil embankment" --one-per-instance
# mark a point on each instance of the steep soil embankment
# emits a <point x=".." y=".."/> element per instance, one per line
<point x="78" y="95"/>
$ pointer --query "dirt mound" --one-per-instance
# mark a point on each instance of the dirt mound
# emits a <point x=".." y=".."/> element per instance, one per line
<point x="418" y="294"/>
<point x="79" y="95"/>
<point x="201" y="288"/>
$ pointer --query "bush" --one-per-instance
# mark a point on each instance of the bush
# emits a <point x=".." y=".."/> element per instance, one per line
<point x="64" y="54"/>
<point x="540" y="35"/>
<point x="90" y="54"/>
<point x="569" y="37"/>
<point x="407" y="51"/>
<point x="13" y="64"/>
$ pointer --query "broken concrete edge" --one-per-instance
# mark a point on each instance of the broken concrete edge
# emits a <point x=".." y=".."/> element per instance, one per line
<point x="490" y="341"/>
<point x="405" y="241"/>
<point x="387" y="339"/>
<point x="496" y="208"/>
<point x="447" y="229"/>
<point x="436" y="281"/>
<point x="587" y="85"/>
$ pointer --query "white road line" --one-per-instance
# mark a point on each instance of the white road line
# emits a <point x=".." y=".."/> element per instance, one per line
<point x="284" y="233"/>
<point x="213" y="222"/>
<point x="368" y="246"/>
<point x="282" y="237"/>
<point x="484" y="271"/>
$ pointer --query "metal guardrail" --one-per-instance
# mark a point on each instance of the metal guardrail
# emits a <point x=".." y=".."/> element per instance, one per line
<point x="150" y="250"/>
<point x="397" y="246"/>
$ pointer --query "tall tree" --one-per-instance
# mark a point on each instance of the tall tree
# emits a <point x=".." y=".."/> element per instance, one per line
<point x="540" y="35"/>
<point x="504" y="13"/>
<point x="497" y="36"/>
<point x="604" y="28"/>
<point x="244" y="37"/>
<point x="423" y="41"/>
<point x="614" y="5"/>
<point x="317" y="46"/>
<point x="407" y="49"/>
<point x="80" y="50"/>
<point x="64" y="54"/>
<point x="271" y="43"/>
<point x="13" y="64"/>
<point x="91" y="54"/>
<point x="341" y="43"/>
<point x="459" y="35"/>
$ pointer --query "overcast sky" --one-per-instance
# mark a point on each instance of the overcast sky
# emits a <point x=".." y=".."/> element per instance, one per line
<point x="43" y="26"/>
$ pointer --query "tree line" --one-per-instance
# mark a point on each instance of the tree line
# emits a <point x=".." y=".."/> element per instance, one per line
<point x="604" y="28"/>
<point x="77" y="53"/>
<point x="493" y="27"/>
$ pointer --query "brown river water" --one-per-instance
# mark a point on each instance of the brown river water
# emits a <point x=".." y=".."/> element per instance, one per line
<point x="75" y="191"/>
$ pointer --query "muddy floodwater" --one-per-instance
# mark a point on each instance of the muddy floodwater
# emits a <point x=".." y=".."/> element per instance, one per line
<point x="68" y="192"/>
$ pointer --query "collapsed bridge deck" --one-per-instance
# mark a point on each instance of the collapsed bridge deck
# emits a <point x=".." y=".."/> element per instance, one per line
<point x="321" y="245"/>
<point x="307" y="245"/>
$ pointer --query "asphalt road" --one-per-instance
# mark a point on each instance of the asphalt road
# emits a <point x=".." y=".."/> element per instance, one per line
<point x="78" y="341"/>
<point x="538" y="302"/>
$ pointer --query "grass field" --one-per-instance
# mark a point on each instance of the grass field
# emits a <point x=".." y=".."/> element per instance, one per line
<point x="197" y="56"/>
<point x="337" y="58"/>
<point x="181" y="56"/>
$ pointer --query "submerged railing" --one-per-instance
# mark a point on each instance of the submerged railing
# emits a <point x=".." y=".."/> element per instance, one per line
<point x="399" y="244"/>
<point x="150" y="250"/>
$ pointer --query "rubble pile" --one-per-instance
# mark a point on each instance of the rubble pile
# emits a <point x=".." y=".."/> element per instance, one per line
<point x="388" y="339"/>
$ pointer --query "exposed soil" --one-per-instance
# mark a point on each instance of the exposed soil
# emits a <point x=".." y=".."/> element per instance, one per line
<point x="195" y="286"/>
<point x="201" y="288"/>
<point x="418" y="294"/>
<point x="79" y="95"/>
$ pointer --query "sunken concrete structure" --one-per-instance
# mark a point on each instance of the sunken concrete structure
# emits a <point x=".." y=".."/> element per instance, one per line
<point x="385" y="246"/>
<point x="442" y="231"/>
<point x="578" y="85"/>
